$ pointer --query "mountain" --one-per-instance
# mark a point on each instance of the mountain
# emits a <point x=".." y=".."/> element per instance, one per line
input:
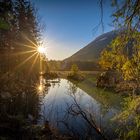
<point x="92" y="51"/>
<point x="87" y="57"/>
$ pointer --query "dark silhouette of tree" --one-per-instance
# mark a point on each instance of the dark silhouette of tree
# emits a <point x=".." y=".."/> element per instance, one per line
<point x="7" y="34"/>
<point x="19" y="31"/>
<point x="28" y="32"/>
<point x="6" y="20"/>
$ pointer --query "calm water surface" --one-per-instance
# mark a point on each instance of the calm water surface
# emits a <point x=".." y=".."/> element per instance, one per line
<point x="62" y="104"/>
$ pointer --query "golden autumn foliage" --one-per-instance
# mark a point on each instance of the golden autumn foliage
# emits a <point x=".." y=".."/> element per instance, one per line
<point x="118" y="56"/>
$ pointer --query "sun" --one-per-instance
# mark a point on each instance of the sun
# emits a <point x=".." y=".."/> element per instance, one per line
<point x="40" y="88"/>
<point x="41" y="49"/>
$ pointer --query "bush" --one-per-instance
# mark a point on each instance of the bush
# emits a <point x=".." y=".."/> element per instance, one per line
<point x="75" y="73"/>
<point x="76" y="77"/>
<point x="51" y="75"/>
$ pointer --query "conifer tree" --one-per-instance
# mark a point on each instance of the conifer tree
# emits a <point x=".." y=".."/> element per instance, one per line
<point x="27" y="33"/>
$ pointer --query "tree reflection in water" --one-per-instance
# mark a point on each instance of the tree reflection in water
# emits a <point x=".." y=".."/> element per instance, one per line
<point x="19" y="107"/>
<point x="65" y="112"/>
<point x="75" y="109"/>
<point x="42" y="87"/>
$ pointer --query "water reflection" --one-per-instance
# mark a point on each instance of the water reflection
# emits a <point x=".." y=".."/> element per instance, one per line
<point x="40" y="88"/>
<point x="41" y="85"/>
<point x="72" y="111"/>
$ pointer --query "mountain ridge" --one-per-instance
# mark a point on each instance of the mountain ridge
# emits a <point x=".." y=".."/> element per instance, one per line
<point x="91" y="52"/>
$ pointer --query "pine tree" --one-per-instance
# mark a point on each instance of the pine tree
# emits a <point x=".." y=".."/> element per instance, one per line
<point x="7" y="34"/>
<point x="6" y="23"/>
<point x="27" y="34"/>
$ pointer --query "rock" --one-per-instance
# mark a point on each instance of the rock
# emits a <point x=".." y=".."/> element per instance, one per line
<point x="138" y="109"/>
<point x="126" y="86"/>
<point x="107" y="79"/>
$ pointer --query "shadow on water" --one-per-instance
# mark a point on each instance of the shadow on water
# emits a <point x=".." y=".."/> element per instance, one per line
<point x="19" y="108"/>
<point x="73" y="112"/>
<point x="67" y="109"/>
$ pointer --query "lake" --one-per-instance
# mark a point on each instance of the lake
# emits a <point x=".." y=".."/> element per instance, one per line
<point x="72" y="111"/>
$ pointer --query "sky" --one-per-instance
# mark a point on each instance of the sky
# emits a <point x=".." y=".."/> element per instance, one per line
<point x="70" y="24"/>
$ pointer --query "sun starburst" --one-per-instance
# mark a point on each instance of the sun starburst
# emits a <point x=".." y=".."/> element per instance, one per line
<point x="31" y="51"/>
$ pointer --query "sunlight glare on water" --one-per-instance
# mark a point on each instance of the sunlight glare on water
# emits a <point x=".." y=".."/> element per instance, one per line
<point x="41" y="85"/>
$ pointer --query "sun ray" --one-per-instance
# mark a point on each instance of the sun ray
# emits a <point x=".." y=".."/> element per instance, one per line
<point x="25" y="52"/>
<point x="29" y="46"/>
<point x="34" y="50"/>
<point x="30" y="40"/>
<point x="33" y="63"/>
<point x="26" y="60"/>
<point x="13" y="71"/>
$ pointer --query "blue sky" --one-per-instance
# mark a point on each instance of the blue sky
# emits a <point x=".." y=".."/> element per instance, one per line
<point x="69" y="24"/>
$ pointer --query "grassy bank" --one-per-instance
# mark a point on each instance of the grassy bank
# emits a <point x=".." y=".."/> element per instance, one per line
<point x="107" y="97"/>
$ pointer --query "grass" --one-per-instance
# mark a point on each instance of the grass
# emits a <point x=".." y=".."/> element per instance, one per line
<point x="106" y="97"/>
